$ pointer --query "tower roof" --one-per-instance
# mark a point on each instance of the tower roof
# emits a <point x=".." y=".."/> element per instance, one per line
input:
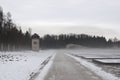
<point x="35" y="36"/>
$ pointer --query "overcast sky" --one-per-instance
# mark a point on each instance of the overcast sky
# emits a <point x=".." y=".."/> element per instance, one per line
<point x="99" y="17"/>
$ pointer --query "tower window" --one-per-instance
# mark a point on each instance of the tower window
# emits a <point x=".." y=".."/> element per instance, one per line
<point x="35" y="43"/>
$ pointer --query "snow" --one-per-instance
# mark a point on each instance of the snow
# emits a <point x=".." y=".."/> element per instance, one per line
<point x="45" y="70"/>
<point x="108" y="60"/>
<point x="20" y="65"/>
<point x="100" y="56"/>
<point x="97" y="70"/>
<point x="96" y="52"/>
<point x="27" y="64"/>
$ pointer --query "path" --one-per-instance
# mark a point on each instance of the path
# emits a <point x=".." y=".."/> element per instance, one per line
<point x="66" y="68"/>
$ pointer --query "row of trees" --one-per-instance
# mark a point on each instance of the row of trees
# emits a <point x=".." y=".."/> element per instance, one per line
<point x="61" y="41"/>
<point x="11" y="35"/>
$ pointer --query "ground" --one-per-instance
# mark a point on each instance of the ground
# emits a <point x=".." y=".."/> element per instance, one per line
<point x="66" y="68"/>
<point x="22" y="65"/>
<point x="56" y="65"/>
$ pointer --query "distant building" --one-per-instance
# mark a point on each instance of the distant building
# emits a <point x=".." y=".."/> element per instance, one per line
<point x="35" y="42"/>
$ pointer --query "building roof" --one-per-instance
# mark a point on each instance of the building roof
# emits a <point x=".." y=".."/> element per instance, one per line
<point x="34" y="36"/>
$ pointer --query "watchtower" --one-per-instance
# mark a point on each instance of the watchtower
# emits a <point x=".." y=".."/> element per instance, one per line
<point x="35" y="42"/>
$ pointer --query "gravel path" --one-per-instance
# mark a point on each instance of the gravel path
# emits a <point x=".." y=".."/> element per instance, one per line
<point x="66" y="68"/>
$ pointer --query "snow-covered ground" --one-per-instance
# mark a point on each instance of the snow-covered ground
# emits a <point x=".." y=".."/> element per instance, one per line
<point x="45" y="70"/>
<point x="30" y="65"/>
<point x="97" y="70"/>
<point x="107" y="72"/>
<point x="96" y="52"/>
<point x="21" y="65"/>
<point x="108" y="61"/>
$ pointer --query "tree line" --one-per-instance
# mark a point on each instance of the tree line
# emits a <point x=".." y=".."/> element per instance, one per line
<point x="62" y="40"/>
<point x="11" y="35"/>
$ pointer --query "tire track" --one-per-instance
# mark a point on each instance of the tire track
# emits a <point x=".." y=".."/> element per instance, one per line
<point x="33" y="75"/>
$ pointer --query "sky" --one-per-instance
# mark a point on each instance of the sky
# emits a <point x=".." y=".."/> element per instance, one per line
<point x="93" y="17"/>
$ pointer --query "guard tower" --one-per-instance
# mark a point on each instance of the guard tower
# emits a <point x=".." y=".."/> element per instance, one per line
<point x="35" y="42"/>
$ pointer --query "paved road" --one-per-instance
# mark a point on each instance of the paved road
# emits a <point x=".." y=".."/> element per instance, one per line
<point x="66" y="68"/>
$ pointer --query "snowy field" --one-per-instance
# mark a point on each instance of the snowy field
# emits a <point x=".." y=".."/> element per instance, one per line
<point x="92" y="53"/>
<point x="22" y="65"/>
<point x="108" y="61"/>
<point x="27" y="65"/>
<point x="105" y="71"/>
